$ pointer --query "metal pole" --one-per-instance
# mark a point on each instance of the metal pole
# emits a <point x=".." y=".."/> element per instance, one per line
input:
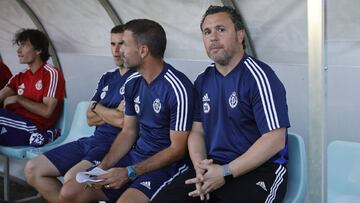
<point x="317" y="100"/>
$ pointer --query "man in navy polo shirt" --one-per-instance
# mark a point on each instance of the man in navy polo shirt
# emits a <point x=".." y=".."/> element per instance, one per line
<point x="238" y="140"/>
<point x="149" y="150"/>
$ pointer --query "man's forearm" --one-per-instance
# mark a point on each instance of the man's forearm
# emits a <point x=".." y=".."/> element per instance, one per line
<point x="111" y="116"/>
<point x="159" y="160"/>
<point x="261" y="151"/>
<point x="39" y="108"/>
<point x="121" y="145"/>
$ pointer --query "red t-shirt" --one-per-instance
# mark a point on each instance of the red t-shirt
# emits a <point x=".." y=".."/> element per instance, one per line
<point x="5" y="75"/>
<point x="47" y="81"/>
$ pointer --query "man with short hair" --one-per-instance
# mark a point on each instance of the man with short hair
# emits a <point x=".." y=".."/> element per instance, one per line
<point x="33" y="98"/>
<point x="105" y="111"/>
<point x="238" y="140"/>
<point x="146" y="153"/>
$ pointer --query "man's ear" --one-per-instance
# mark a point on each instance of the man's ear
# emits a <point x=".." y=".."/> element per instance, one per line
<point x="241" y="35"/>
<point x="143" y="51"/>
<point x="38" y="52"/>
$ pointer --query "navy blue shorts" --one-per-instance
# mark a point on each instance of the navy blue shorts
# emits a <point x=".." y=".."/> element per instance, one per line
<point x="149" y="183"/>
<point x="15" y="130"/>
<point x="88" y="148"/>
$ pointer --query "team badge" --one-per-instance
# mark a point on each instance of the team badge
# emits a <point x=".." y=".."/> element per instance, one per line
<point x="157" y="105"/>
<point x="103" y="93"/>
<point x="206" y="105"/>
<point x="137" y="104"/>
<point x="122" y="89"/>
<point x="233" y="100"/>
<point x="39" y="85"/>
<point x="21" y="88"/>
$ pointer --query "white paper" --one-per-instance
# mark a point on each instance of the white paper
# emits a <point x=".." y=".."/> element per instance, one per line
<point x="90" y="176"/>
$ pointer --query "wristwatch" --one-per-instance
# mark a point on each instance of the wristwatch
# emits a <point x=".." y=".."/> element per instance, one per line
<point x="131" y="173"/>
<point x="227" y="173"/>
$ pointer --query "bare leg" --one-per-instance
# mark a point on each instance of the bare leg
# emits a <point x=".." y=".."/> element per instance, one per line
<point x="73" y="191"/>
<point x="133" y="195"/>
<point x="42" y="175"/>
<point x="81" y="166"/>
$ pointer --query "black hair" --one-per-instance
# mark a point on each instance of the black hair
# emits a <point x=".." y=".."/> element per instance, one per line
<point x="149" y="33"/>
<point x="37" y="39"/>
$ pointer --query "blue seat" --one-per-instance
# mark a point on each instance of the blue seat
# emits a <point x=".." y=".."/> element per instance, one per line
<point x="297" y="170"/>
<point x="20" y="151"/>
<point x="79" y="128"/>
<point x="343" y="172"/>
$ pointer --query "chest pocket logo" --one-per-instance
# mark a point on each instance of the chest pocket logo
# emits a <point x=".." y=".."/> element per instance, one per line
<point x="137" y="104"/>
<point x="233" y="100"/>
<point x="21" y="88"/>
<point x="122" y="89"/>
<point x="157" y="105"/>
<point x="206" y="104"/>
<point x="103" y="93"/>
<point x="39" y="85"/>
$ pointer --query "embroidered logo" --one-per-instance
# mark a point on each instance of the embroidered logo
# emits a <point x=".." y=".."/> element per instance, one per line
<point x="21" y="88"/>
<point x="137" y="104"/>
<point x="122" y="89"/>
<point x="206" y="105"/>
<point x="262" y="185"/>
<point x="233" y="100"/>
<point x="157" y="105"/>
<point x="39" y="85"/>
<point x="103" y="93"/>
<point x="146" y="184"/>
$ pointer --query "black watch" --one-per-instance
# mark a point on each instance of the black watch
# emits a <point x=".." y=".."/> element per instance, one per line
<point x="227" y="173"/>
<point x="131" y="173"/>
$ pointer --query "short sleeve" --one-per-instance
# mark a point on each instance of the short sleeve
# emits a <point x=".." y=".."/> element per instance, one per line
<point x="181" y="106"/>
<point x="54" y="84"/>
<point x="96" y="96"/>
<point x="269" y="100"/>
<point x="197" y="101"/>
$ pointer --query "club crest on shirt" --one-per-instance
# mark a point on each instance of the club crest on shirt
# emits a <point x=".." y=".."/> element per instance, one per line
<point x="206" y="105"/>
<point x="157" y="105"/>
<point x="122" y="89"/>
<point x="233" y="100"/>
<point x="21" y="88"/>
<point x="103" y="92"/>
<point x="137" y="104"/>
<point x="38" y="85"/>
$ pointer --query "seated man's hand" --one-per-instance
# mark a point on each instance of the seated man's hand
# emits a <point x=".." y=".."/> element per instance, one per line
<point x="10" y="100"/>
<point x="199" y="180"/>
<point x="213" y="177"/>
<point x="114" y="179"/>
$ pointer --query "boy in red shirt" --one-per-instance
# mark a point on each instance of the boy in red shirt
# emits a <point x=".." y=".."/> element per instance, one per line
<point x="33" y="98"/>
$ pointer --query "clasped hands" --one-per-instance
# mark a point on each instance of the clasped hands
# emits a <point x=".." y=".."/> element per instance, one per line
<point x="209" y="177"/>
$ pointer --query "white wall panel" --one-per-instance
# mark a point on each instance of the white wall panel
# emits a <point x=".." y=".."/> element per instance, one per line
<point x="75" y="26"/>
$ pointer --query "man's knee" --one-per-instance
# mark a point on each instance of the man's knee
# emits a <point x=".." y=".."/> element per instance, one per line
<point x="38" y="167"/>
<point x="31" y="170"/>
<point x="68" y="192"/>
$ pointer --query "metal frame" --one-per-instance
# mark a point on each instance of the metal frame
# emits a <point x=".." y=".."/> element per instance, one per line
<point x="317" y="100"/>
<point x="40" y="26"/>
<point x="111" y="12"/>
<point x="248" y="42"/>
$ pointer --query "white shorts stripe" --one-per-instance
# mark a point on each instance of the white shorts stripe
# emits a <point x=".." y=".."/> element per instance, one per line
<point x="278" y="180"/>
<point x="181" y="170"/>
